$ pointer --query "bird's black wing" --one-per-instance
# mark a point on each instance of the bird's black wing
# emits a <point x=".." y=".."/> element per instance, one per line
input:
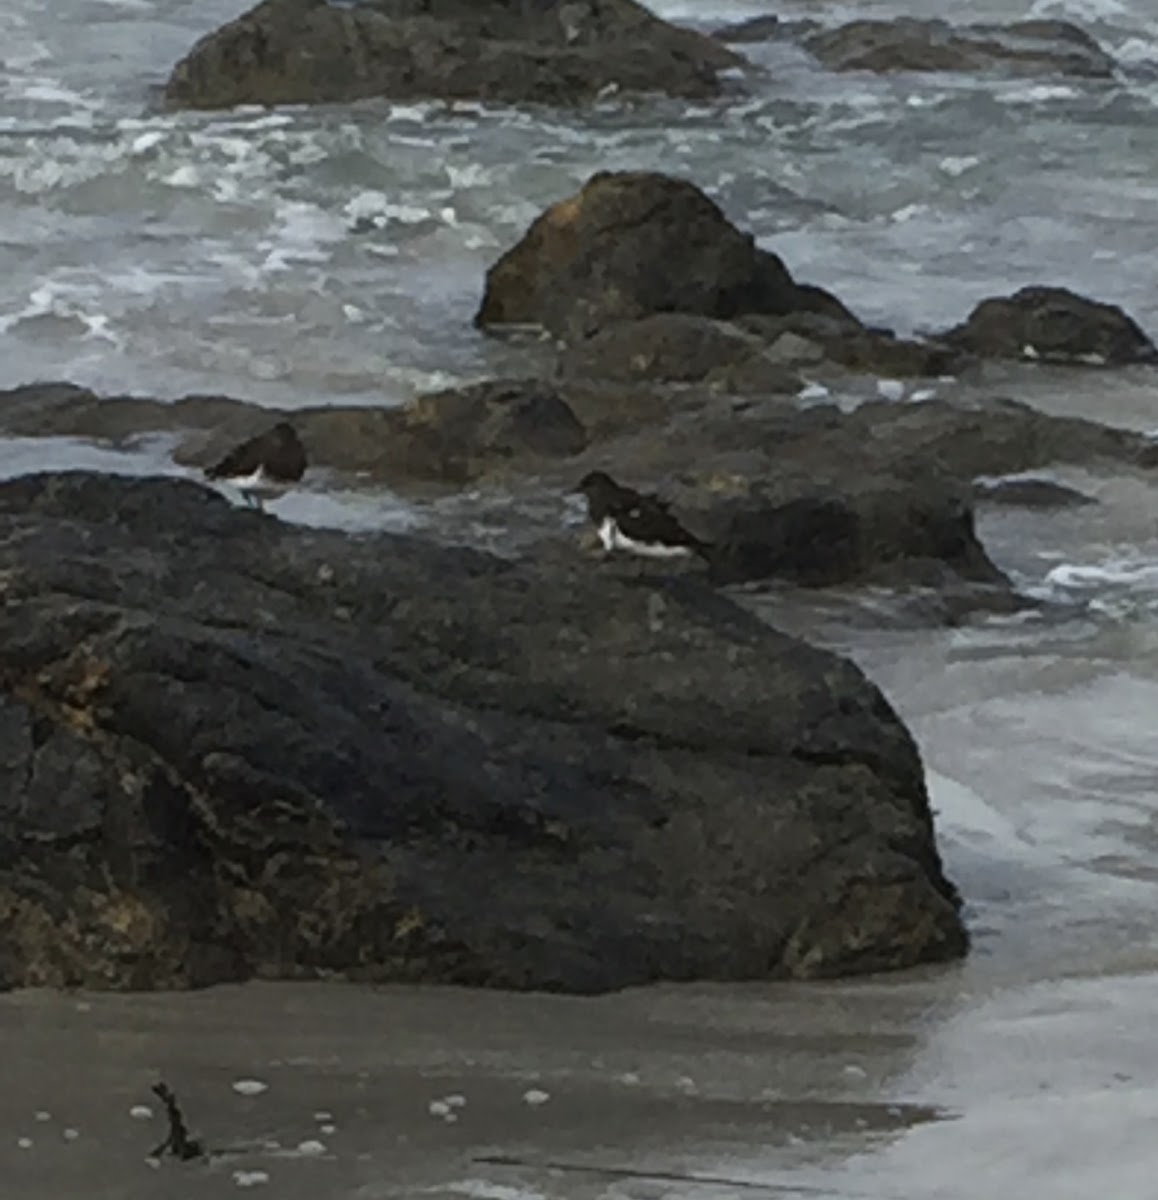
<point x="650" y="521"/>
<point x="241" y="460"/>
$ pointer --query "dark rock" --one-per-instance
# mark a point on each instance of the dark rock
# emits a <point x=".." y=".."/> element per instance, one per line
<point x="915" y="531"/>
<point x="898" y="474"/>
<point x="822" y="446"/>
<point x="752" y="354"/>
<point x="450" y="436"/>
<point x="918" y="44"/>
<point x="674" y="347"/>
<point x="1053" y="325"/>
<point x="768" y="28"/>
<point x="857" y="348"/>
<point x="1029" y="493"/>
<point x="235" y="748"/>
<point x="310" y="51"/>
<point x="881" y="494"/>
<point x="630" y="244"/>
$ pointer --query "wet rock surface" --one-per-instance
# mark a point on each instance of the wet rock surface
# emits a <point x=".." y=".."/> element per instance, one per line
<point x="236" y="748"/>
<point x="890" y="484"/>
<point x="1030" y="493"/>
<point x="913" y="532"/>
<point x="632" y="243"/>
<point x="752" y="354"/>
<point x="768" y="28"/>
<point x="1054" y="325"/>
<point x="643" y="277"/>
<point x="917" y="44"/>
<point x="554" y="52"/>
<point x="674" y="347"/>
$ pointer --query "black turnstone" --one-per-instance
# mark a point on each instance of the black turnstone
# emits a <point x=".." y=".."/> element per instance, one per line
<point x="636" y="522"/>
<point x="264" y="466"/>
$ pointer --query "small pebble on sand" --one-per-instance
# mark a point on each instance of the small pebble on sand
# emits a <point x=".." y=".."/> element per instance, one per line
<point x="44" y="1116"/>
<point x="24" y="1143"/>
<point x="456" y="1101"/>
<point x="311" y="1147"/>
<point x="534" y="1097"/>
<point x="439" y="1108"/>
<point x="327" y="1129"/>
<point x="323" y="1116"/>
<point x="70" y="1135"/>
<point x="141" y="1112"/>
<point x="249" y="1087"/>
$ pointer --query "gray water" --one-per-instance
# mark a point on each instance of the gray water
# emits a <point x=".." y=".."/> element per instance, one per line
<point x="297" y="257"/>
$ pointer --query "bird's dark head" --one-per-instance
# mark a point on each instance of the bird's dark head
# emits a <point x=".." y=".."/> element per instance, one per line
<point x="284" y="432"/>
<point x="597" y="483"/>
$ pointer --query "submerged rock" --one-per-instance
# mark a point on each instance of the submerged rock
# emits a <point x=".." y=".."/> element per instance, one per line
<point x="233" y="748"/>
<point x="632" y="243"/>
<point x="509" y="51"/>
<point x="1054" y="325"/>
<point x="919" y="44"/>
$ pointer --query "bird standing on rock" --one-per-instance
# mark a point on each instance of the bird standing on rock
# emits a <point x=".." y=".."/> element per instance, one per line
<point x="264" y="466"/>
<point x="636" y="522"/>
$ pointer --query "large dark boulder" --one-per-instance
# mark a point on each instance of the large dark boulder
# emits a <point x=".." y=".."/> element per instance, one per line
<point x="548" y="51"/>
<point x="234" y="748"/>
<point x="921" y="44"/>
<point x="632" y="243"/>
<point x="1054" y="325"/>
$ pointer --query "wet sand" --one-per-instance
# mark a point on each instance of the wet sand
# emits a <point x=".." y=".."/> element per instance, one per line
<point x="925" y="1086"/>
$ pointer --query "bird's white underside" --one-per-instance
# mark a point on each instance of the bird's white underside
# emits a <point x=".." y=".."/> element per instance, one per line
<point x="257" y="484"/>
<point x="613" y="538"/>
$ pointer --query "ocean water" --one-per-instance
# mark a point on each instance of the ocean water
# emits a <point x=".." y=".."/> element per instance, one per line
<point x="296" y="257"/>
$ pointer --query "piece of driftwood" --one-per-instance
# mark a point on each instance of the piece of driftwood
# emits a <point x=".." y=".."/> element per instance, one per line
<point x="178" y="1143"/>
